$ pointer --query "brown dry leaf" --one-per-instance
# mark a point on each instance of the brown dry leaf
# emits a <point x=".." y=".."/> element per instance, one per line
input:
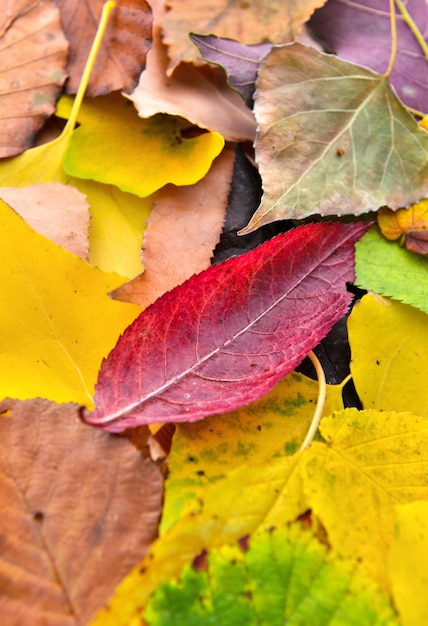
<point x="248" y="22"/>
<point x="33" y="57"/>
<point x="200" y="94"/>
<point x="79" y="509"/>
<point x="122" y="54"/>
<point x="59" y="212"/>
<point x="181" y="234"/>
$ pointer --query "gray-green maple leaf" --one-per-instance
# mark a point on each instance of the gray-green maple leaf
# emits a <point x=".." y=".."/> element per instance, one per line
<point x="333" y="139"/>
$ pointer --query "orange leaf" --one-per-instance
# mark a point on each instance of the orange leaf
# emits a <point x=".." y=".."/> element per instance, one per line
<point x="33" y="55"/>
<point x="182" y="232"/>
<point x="79" y="509"/>
<point x="410" y="224"/>
<point x="122" y="54"/>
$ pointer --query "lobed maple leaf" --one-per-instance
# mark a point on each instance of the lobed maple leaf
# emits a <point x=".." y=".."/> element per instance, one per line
<point x="226" y="336"/>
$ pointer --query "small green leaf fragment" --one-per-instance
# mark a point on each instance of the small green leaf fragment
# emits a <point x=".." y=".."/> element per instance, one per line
<point x="286" y="576"/>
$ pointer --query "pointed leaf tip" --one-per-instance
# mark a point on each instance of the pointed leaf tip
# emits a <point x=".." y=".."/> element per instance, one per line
<point x="227" y="335"/>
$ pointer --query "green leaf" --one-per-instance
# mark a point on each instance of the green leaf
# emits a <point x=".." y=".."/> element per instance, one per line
<point x="285" y="577"/>
<point x="386" y="268"/>
<point x="333" y="139"/>
<point x="389" y="347"/>
<point x="114" y="146"/>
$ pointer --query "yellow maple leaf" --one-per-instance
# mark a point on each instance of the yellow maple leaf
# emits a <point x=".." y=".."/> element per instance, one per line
<point x="56" y="319"/>
<point x="373" y="461"/>
<point x="348" y="482"/>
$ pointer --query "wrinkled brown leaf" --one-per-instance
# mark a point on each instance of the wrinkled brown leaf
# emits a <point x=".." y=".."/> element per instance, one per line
<point x="59" y="212"/>
<point x="248" y="22"/>
<point x="33" y="56"/>
<point x="123" y="51"/>
<point x="200" y="94"/>
<point x="79" y="509"/>
<point x="182" y="232"/>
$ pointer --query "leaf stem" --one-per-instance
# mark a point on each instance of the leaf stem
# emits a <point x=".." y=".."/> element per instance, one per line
<point x="107" y="9"/>
<point x="393" y="38"/>
<point x="411" y="24"/>
<point x="322" y="389"/>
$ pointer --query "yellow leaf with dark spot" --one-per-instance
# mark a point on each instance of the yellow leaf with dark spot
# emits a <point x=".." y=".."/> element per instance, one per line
<point x="372" y="461"/>
<point x="389" y="347"/>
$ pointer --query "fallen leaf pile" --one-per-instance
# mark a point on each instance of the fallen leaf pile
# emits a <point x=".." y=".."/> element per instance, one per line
<point x="194" y="198"/>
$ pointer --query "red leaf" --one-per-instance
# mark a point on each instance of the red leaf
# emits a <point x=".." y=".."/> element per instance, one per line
<point x="227" y="335"/>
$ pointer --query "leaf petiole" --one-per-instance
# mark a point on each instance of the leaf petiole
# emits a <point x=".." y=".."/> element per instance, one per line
<point x="71" y="123"/>
<point x="393" y="38"/>
<point x="322" y="389"/>
<point x="411" y="24"/>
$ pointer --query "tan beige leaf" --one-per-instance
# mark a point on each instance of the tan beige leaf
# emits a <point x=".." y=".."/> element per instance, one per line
<point x="200" y="94"/>
<point x="79" y="508"/>
<point x="10" y="10"/>
<point x="122" y="54"/>
<point x="33" y="56"/>
<point x="59" y="212"/>
<point x="248" y="22"/>
<point x="182" y="232"/>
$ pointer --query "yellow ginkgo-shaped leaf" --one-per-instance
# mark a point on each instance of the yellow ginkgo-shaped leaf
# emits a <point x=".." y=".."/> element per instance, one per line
<point x="408" y="563"/>
<point x="57" y="321"/>
<point x="115" y="146"/>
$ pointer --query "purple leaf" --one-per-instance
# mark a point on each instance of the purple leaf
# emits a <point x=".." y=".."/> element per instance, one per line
<point x="239" y="60"/>
<point x="226" y="336"/>
<point x="361" y="32"/>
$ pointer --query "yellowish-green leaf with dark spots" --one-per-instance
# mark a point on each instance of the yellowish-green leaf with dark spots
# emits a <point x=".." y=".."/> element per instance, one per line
<point x="371" y="462"/>
<point x="206" y="452"/>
